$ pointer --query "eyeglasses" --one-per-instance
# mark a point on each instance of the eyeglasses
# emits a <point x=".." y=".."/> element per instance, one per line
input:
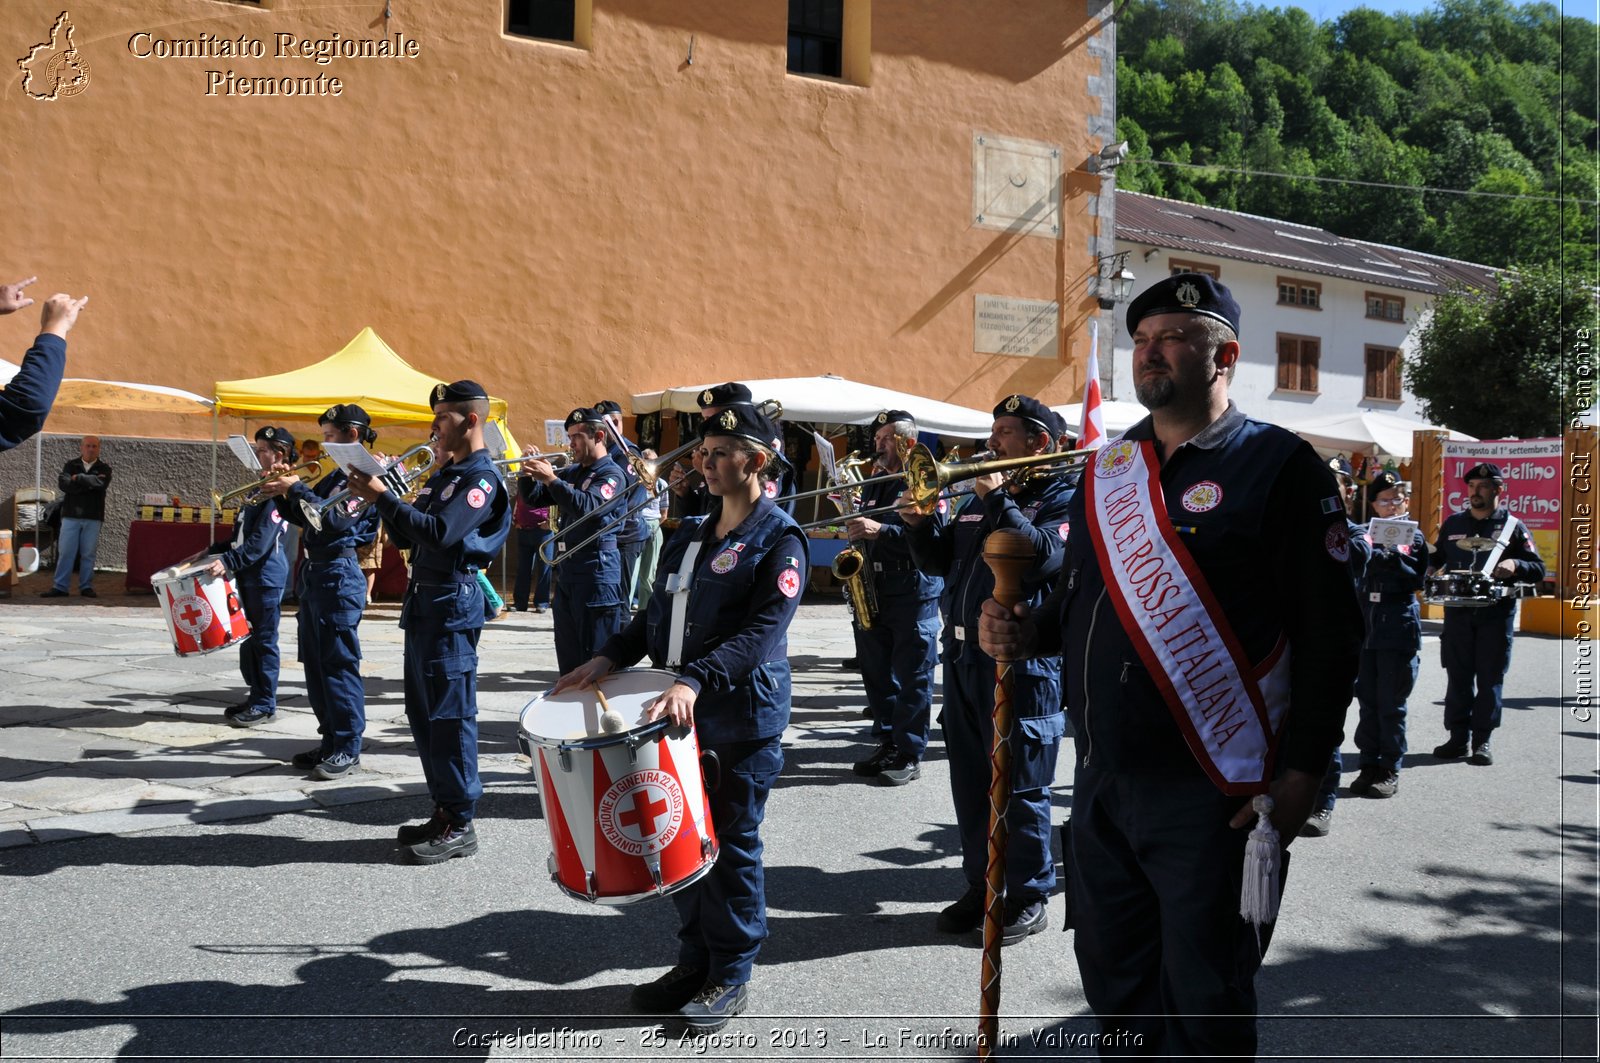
<point x="1388" y="501"/>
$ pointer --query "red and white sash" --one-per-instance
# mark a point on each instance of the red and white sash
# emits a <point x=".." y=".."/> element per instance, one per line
<point x="1230" y="712"/>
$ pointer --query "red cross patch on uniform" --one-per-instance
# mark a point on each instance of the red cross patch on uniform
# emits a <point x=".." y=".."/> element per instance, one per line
<point x="770" y="489"/>
<point x="1064" y="530"/>
<point x="607" y="489"/>
<point x="277" y="518"/>
<point x="1338" y="542"/>
<point x="476" y="498"/>
<point x="789" y="582"/>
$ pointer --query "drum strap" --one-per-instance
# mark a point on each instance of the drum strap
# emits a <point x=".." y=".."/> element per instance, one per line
<point x="1501" y="541"/>
<point x="678" y="586"/>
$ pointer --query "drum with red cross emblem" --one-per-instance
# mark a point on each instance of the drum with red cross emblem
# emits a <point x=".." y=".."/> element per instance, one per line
<point x="203" y="612"/>
<point x="627" y="811"/>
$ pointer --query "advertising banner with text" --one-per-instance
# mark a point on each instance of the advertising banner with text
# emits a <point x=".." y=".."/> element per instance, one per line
<point x="1532" y="471"/>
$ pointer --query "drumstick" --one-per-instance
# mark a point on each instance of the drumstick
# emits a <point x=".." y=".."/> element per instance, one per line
<point x="611" y="720"/>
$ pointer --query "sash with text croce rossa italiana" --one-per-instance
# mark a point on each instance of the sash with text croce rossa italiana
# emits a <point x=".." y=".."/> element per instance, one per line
<point x="1229" y="711"/>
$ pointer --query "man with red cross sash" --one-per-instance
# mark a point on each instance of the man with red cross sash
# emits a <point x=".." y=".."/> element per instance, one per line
<point x="1210" y="638"/>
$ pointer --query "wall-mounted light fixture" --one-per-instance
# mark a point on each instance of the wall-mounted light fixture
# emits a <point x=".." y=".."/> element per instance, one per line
<point x="1108" y="158"/>
<point x="1113" y="282"/>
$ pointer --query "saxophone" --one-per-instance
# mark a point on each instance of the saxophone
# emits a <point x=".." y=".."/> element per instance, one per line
<point x="849" y="568"/>
<point x="850" y="564"/>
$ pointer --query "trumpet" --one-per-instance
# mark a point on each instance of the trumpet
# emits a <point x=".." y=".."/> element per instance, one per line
<point x="250" y="493"/>
<point x="401" y="476"/>
<point x="559" y="460"/>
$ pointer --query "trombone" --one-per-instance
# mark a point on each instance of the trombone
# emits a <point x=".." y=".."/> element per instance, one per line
<point x="400" y="476"/>
<point x="926" y="477"/>
<point x="648" y="472"/>
<point x="250" y="493"/>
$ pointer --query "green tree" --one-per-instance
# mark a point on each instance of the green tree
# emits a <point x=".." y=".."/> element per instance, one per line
<point x="1488" y="364"/>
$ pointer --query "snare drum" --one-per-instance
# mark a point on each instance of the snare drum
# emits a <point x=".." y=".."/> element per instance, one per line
<point x="1461" y="588"/>
<point x="203" y="613"/>
<point x="627" y="812"/>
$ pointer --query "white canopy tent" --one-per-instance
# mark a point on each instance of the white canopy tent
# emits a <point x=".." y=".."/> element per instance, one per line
<point x="1372" y="431"/>
<point x="832" y="400"/>
<point x="1115" y="417"/>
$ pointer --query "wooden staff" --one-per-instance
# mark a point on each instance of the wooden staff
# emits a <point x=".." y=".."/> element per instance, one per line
<point x="1008" y="553"/>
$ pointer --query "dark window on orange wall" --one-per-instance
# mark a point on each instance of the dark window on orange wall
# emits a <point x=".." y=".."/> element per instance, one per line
<point x="551" y="20"/>
<point x="816" y="37"/>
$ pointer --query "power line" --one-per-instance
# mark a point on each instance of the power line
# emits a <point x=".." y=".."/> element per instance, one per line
<point x="1366" y="184"/>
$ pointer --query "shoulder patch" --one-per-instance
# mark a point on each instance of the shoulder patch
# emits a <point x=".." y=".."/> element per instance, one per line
<point x="1332" y="504"/>
<point x="789" y="582"/>
<point x="476" y="498"/>
<point x="1337" y="542"/>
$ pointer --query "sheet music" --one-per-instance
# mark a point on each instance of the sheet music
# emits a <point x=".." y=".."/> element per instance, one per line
<point x="1384" y="531"/>
<point x="825" y="452"/>
<point x="353" y="456"/>
<point x="244" y="452"/>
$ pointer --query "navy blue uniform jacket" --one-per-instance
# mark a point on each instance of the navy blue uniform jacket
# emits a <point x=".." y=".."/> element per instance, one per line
<point x="746" y="589"/>
<point x="344" y="527"/>
<point x="252" y="554"/>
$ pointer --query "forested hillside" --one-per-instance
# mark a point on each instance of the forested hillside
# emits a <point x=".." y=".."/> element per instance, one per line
<point x="1476" y="95"/>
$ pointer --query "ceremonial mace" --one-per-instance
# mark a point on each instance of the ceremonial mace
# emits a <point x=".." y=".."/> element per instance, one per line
<point x="1008" y="553"/>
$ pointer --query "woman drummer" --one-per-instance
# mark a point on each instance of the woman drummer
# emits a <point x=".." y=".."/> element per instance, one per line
<point x="726" y="588"/>
<point x="259" y="567"/>
<point x="1389" y="656"/>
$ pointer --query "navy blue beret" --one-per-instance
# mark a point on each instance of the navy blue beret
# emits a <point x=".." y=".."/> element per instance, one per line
<point x="345" y="413"/>
<point x="1186" y="293"/>
<point x="1030" y="409"/>
<point x="725" y="395"/>
<point x="891" y="416"/>
<point x="1484" y="471"/>
<point x="460" y="391"/>
<point x="586" y="415"/>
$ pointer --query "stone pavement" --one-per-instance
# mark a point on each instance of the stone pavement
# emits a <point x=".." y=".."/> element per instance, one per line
<point x="213" y="902"/>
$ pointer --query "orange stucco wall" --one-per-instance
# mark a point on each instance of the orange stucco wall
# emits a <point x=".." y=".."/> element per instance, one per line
<point x="562" y="224"/>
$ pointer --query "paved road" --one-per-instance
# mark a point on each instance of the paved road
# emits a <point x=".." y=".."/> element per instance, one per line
<point x="174" y="890"/>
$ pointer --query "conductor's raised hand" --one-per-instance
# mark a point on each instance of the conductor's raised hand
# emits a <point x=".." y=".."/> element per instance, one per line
<point x="60" y="314"/>
<point x="11" y="297"/>
<point x="1006" y="634"/>
<point x="585" y="675"/>
<point x="677" y="704"/>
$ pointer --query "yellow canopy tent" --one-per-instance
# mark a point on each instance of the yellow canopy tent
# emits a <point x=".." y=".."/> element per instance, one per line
<point x="366" y="371"/>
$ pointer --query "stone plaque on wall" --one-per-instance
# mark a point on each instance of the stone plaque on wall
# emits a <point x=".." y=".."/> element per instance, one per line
<point x="1016" y="185"/>
<point x="1025" y="327"/>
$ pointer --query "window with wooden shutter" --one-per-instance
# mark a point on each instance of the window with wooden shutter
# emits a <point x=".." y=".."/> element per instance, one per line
<point x="1383" y="374"/>
<point x="1298" y="362"/>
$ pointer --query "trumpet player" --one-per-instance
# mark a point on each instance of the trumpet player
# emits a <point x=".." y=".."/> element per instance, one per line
<point x="900" y="647"/>
<point x="332" y="598"/>
<point x="257" y="563"/>
<point x="588" y="591"/>
<point x="457" y="524"/>
<point x="1035" y="505"/>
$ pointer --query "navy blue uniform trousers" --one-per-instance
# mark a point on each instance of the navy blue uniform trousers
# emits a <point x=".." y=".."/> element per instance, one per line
<point x="1154" y="873"/>
<point x="331" y="597"/>
<point x="723" y="915"/>
<point x="898" y="654"/>
<point x="1035" y="741"/>
<point x="441" y="689"/>
<point x="258" y="654"/>
<point x="1476" y="647"/>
